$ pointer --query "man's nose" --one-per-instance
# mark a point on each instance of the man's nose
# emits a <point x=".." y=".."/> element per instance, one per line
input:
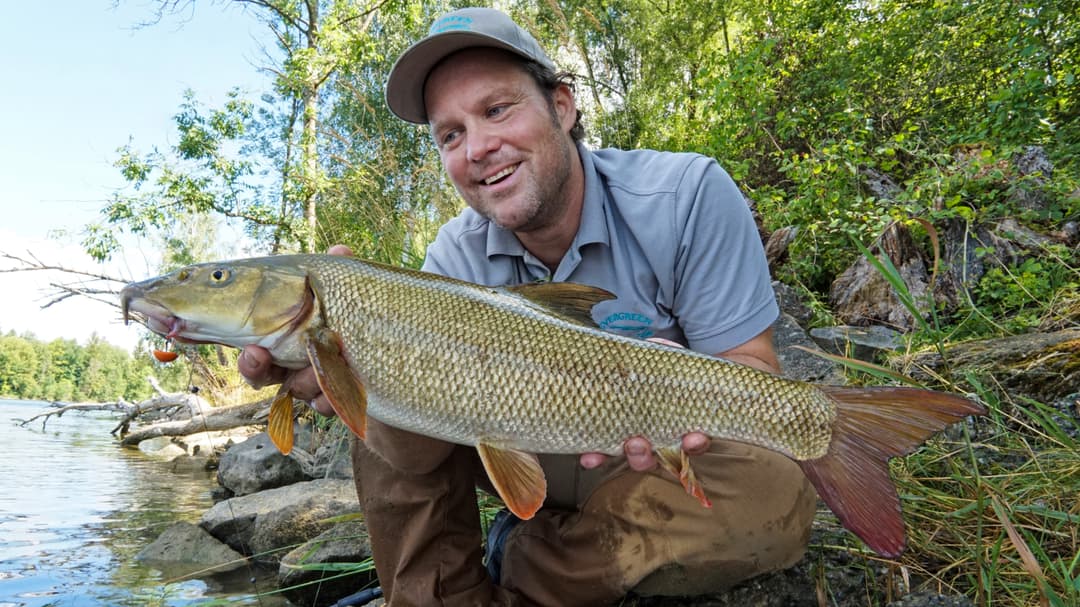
<point x="482" y="141"/>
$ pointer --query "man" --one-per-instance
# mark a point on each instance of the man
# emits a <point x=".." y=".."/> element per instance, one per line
<point x="670" y="235"/>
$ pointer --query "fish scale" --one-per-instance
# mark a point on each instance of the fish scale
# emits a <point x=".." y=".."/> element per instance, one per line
<point x="522" y="370"/>
<point x="534" y="392"/>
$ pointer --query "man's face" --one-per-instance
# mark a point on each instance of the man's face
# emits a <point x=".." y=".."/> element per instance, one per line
<point x="507" y="151"/>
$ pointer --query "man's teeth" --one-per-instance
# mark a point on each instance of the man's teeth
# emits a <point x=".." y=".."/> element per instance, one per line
<point x="503" y="173"/>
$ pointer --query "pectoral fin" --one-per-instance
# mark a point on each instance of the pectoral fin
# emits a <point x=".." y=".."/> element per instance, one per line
<point x="280" y="423"/>
<point x="677" y="462"/>
<point x="337" y="381"/>
<point x="517" y="477"/>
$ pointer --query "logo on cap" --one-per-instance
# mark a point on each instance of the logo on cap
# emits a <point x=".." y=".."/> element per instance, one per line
<point x="451" y="23"/>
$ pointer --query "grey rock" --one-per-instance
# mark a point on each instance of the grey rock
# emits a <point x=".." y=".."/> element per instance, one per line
<point x="798" y="363"/>
<point x="262" y="523"/>
<point x="932" y="599"/>
<point x="792" y="303"/>
<point x="185" y="548"/>
<point x="862" y="343"/>
<point x="256" y="464"/>
<point x="333" y="459"/>
<point x="344" y="543"/>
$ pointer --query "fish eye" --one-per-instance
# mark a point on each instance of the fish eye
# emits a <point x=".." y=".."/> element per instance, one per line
<point x="220" y="275"/>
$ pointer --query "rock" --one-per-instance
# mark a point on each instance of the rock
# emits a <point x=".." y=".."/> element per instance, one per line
<point x="862" y="343"/>
<point x="333" y="459"/>
<point x="879" y="184"/>
<point x="1042" y="366"/>
<point x="263" y="522"/>
<point x="163" y="447"/>
<point x="932" y="599"/>
<point x="792" y="303"/>
<point x="345" y="542"/>
<point x="256" y="464"/>
<point x="186" y="464"/>
<point x="968" y="251"/>
<point x="800" y="364"/>
<point x="185" y="548"/>
<point x="1036" y="170"/>
<point x="862" y="296"/>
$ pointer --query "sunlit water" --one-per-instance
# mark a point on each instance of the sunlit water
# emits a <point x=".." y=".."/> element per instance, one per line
<point x="75" y="509"/>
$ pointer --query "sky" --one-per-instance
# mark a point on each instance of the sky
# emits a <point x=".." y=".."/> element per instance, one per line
<point x="79" y="80"/>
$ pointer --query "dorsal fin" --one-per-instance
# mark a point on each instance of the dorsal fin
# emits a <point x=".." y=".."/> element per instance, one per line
<point x="568" y="300"/>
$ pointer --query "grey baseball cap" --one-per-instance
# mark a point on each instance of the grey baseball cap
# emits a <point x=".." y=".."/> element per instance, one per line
<point x="460" y="29"/>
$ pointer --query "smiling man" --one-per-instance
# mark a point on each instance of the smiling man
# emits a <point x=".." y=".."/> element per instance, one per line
<point x="671" y="236"/>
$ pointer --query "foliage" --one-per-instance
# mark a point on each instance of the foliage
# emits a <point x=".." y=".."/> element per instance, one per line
<point x="63" y="370"/>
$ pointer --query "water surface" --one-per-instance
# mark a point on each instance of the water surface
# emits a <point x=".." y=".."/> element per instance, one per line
<point x="75" y="509"/>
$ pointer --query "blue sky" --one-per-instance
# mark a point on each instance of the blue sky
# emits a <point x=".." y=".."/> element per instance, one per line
<point x="81" y="79"/>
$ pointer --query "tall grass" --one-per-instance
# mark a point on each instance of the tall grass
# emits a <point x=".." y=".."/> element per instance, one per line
<point x="993" y="505"/>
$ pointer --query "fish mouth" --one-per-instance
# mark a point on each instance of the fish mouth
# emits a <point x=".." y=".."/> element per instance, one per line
<point x="153" y="316"/>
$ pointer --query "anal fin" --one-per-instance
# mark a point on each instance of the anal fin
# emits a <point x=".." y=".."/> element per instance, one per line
<point x="518" y="478"/>
<point x="337" y="381"/>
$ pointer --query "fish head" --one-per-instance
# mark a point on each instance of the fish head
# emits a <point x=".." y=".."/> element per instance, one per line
<point x="235" y="303"/>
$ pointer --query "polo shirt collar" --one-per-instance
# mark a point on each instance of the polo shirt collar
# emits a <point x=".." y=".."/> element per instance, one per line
<point x="593" y="229"/>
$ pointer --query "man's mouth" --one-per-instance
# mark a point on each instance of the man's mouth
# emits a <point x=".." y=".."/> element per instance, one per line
<point x="503" y="174"/>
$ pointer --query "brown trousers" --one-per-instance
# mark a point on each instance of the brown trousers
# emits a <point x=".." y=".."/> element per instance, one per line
<point x="600" y="534"/>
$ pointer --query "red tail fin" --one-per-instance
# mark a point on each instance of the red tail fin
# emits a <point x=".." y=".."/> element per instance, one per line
<point x="872" y="425"/>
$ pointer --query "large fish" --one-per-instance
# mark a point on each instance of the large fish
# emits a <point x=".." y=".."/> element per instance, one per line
<point x="522" y="370"/>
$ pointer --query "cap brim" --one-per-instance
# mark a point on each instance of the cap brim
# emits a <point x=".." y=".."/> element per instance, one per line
<point x="405" y="86"/>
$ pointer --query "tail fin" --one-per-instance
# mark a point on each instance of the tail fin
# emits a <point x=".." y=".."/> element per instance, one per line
<point x="873" y="425"/>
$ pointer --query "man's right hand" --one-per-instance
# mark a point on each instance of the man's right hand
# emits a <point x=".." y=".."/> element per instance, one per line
<point x="257" y="367"/>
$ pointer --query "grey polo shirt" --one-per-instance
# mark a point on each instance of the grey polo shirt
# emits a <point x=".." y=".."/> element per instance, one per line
<point x="669" y="234"/>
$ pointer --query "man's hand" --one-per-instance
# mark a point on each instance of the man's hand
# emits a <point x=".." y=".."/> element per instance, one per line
<point x="257" y="367"/>
<point x="639" y="451"/>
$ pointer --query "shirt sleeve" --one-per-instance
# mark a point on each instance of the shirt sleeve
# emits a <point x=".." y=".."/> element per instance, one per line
<point x="723" y="292"/>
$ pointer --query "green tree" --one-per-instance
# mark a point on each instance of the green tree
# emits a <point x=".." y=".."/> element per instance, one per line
<point x="18" y="367"/>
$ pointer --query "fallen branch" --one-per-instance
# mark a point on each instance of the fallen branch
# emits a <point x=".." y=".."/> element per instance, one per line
<point x="226" y="418"/>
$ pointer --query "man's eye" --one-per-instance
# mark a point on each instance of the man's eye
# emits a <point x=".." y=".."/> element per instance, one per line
<point x="449" y="138"/>
<point x="496" y="110"/>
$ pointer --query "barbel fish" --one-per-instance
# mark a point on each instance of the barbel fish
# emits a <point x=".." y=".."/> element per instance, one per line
<point x="517" y="371"/>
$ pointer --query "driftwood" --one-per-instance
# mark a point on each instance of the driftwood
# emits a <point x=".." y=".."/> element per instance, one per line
<point x="169" y="414"/>
<point x="225" y="418"/>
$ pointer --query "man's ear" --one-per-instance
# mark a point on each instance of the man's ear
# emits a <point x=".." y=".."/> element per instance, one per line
<point x="565" y="107"/>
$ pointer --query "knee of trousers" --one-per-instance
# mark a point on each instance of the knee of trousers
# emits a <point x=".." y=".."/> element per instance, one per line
<point x="643" y="532"/>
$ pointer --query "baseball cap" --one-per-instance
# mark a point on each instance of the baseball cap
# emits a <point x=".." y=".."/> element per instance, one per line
<point x="454" y="31"/>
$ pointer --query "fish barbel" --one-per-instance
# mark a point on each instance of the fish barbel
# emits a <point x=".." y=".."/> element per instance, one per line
<point x="522" y="370"/>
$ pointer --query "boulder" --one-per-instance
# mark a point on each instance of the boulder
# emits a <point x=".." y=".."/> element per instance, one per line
<point x="795" y="361"/>
<point x="861" y="343"/>
<point x="185" y="548"/>
<point x="343" y="544"/>
<point x="256" y="464"/>
<point x="262" y="523"/>
<point x="333" y="458"/>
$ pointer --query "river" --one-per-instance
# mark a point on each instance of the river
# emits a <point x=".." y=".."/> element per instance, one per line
<point x="75" y="509"/>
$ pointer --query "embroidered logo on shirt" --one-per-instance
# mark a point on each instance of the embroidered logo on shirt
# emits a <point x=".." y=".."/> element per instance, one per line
<point x="628" y="323"/>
